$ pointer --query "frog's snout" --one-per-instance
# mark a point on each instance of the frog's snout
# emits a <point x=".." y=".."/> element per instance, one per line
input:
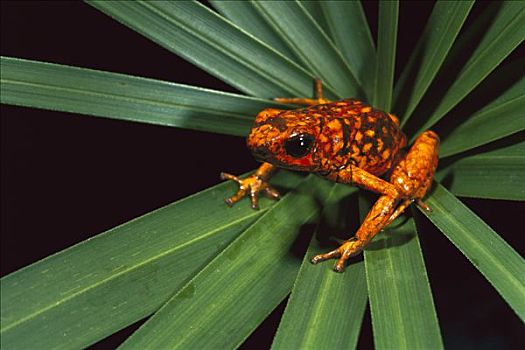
<point x="262" y="140"/>
<point x="261" y="153"/>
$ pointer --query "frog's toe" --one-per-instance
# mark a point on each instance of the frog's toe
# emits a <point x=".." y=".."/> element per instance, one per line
<point x="322" y="257"/>
<point x="254" y="200"/>
<point x="226" y="176"/>
<point x="272" y="192"/>
<point x="340" y="265"/>
<point x="239" y="194"/>
<point x="236" y="197"/>
<point x="422" y="205"/>
<point x="251" y="186"/>
<point x="349" y="248"/>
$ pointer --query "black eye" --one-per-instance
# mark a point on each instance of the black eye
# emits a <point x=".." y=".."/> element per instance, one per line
<point x="299" y="145"/>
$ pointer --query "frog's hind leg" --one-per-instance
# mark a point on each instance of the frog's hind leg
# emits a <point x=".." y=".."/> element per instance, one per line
<point x="413" y="174"/>
<point x="317" y="100"/>
<point x="412" y="177"/>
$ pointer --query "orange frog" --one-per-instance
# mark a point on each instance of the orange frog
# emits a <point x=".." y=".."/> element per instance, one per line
<point x="348" y="142"/>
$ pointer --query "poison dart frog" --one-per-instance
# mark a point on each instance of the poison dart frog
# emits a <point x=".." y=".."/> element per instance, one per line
<point x="347" y="142"/>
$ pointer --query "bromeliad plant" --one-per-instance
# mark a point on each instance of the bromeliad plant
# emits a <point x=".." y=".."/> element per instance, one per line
<point x="198" y="278"/>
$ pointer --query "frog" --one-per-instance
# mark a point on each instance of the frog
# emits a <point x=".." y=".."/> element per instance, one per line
<point x="346" y="141"/>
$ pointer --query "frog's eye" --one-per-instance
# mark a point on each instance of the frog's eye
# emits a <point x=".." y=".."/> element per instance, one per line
<point x="298" y="146"/>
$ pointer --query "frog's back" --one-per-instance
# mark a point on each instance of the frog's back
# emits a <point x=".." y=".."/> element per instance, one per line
<point x="360" y="135"/>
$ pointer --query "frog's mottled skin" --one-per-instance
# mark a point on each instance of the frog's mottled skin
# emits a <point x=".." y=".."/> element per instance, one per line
<point x="348" y="142"/>
<point x="346" y="133"/>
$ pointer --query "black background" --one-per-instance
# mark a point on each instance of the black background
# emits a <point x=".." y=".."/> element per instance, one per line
<point x="67" y="177"/>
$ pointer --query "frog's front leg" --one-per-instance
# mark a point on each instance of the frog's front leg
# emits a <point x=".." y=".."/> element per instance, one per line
<point x="252" y="185"/>
<point x="374" y="221"/>
<point x="409" y="182"/>
<point x="317" y="100"/>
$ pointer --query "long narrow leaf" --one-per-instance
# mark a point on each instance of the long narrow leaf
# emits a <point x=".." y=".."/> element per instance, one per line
<point x="504" y="35"/>
<point x="118" y="96"/>
<point x="313" y="7"/>
<point x="85" y="293"/>
<point x="224" y="303"/>
<point x="245" y="15"/>
<point x="496" y="174"/>
<point x="456" y="58"/>
<point x="501" y="265"/>
<point x="325" y="309"/>
<point x="209" y="41"/>
<point x="349" y="29"/>
<point x="386" y="54"/>
<point x="401" y="304"/>
<point x="502" y="117"/>
<point x="311" y="44"/>
<point x="440" y="32"/>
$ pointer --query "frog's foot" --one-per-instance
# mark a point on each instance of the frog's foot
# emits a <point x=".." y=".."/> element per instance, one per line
<point x="349" y="248"/>
<point x="250" y="186"/>
<point x="318" y="100"/>
<point x="302" y="101"/>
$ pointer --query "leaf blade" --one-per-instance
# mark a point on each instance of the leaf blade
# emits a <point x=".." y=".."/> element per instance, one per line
<point x="433" y="46"/>
<point x="78" y="90"/>
<point x="401" y="303"/>
<point x="306" y="38"/>
<point x="243" y="284"/>
<point x="495" y="174"/>
<point x="82" y="294"/>
<point x="502" y="117"/>
<point x="323" y="312"/>
<point x="498" y="262"/>
<point x="196" y="33"/>
<point x="386" y="54"/>
<point x="245" y="15"/>
<point x="504" y="35"/>
<point x="314" y="9"/>
<point x="347" y="24"/>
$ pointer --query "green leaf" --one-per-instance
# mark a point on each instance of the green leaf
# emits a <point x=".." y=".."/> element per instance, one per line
<point x="314" y="9"/>
<point x="495" y="174"/>
<point x="118" y="96"/>
<point x="401" y="304"/>
<point x="91" y="290"/>
<point x="433" y="46"/>
<point x="231" y="296"/>
<point x="347" y="24"/>
<point x="501" y="265"/>
<point x="502" y="117"/>
<point x="456" y="58"/>
<point x="80" y="295"/>
<point x="325" y="309"/>
<point x="505" y="33"/>
<point x="214" y="44"/>
<point x="311" y="44"/>
<point x="469" y="39"/>
<point x="245" y="15"/>
<point x="386" y="54"/>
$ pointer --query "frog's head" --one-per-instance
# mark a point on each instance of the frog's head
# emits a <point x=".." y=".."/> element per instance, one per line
<point x="287" y="139"/>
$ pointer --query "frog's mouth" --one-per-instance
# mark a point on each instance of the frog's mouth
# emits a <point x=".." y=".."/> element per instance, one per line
<point x="263" y="154"/>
